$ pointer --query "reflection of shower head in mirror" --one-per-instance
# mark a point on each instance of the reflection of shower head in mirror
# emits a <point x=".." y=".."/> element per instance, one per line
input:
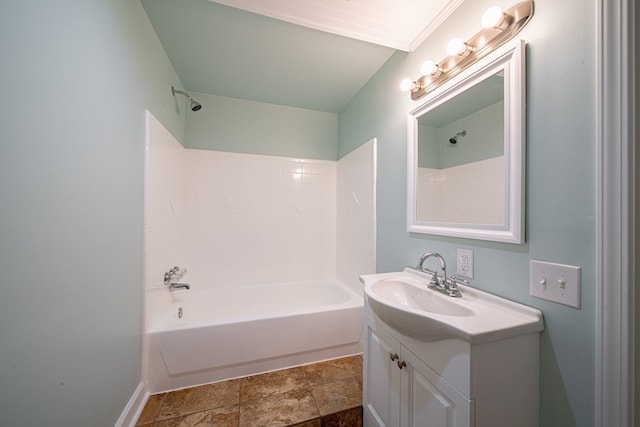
<point x="454" y="139"/>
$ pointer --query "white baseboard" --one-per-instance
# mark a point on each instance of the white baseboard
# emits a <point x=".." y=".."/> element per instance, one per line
<point x="134" y="407"/>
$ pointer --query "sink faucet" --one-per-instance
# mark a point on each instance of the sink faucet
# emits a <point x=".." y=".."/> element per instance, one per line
<point x="435" y="280"/>
<point x="440" y="283"/>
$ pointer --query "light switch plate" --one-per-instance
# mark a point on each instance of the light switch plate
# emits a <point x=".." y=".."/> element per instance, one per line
<point x="555" y="282"/>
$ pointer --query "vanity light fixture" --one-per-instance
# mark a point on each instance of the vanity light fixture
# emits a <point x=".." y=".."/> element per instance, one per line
<point x="458" y="47"/>
<point x="408" y="85"/>
<point x="430" y="68"/>
<point x="494" y="17"/>
<point x="498" y="27"/>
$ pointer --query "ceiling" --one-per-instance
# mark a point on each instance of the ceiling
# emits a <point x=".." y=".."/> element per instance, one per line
<point x="314" y="54"/>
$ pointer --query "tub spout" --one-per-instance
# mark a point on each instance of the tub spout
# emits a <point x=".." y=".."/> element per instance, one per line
<point x="175" y="286"/>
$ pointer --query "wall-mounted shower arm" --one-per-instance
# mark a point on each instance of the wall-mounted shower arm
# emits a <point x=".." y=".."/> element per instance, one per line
<point x="454" y="139"/>
<point x="195" y="105"/>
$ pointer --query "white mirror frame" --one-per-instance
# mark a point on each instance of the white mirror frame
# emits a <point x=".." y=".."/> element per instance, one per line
<point x="510" y="59"/>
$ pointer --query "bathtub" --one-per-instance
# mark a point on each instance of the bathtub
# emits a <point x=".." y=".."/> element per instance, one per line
<point x="221" y="333"/>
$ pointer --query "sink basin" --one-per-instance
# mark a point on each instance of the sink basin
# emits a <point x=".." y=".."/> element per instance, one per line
<point x="403" y="301"/>
<point x="405" y="294"/>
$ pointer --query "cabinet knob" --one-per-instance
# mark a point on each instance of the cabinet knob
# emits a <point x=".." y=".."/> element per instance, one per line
<point x="401" y="364"/>
<point x="393" y="357"/>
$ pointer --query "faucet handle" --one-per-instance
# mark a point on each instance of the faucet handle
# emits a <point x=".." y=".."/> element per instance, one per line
<point x="450" y="286"/>
<point x="453" y="282"/>
<point x="462" y="282"/>
<point x="175" y="273"/>
<point x="435" y="280"/>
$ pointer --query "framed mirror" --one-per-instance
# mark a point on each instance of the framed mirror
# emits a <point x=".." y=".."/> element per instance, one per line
<point x="466" y="152"/>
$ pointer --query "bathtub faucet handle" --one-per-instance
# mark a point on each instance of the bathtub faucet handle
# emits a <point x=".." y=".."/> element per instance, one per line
<point x="174" y="274"/>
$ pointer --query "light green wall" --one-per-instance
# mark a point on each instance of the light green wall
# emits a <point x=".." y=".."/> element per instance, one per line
<point x="76" y="78"/>
<point x="429" y="147"/>
<point x="484" y="139"/>
<point x="560" y="198"/>
<point x="242" y="126"/>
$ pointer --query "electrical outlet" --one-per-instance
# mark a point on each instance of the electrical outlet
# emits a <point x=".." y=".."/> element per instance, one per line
<point x="555" y="282"/>
<point x="464" y="263"/>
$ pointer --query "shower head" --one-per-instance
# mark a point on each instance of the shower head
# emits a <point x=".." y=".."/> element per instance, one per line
<point x="195" y="105"/>
<point x="454" y="139"/>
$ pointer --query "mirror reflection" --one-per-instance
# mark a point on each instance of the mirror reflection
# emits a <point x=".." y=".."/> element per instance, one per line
<point x="465" y="153"/>
<point x="460" y="175"/>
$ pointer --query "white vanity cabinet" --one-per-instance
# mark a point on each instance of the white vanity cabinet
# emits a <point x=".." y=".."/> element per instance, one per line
<point x="431" y="360"/>
<point x="402" y="390"/>
<point x="450" y="382"/>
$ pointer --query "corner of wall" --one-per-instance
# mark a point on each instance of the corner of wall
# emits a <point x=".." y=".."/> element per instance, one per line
<point x="134" y="407"/>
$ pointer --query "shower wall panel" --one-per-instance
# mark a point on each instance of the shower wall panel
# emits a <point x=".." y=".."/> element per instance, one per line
<point x="164" y="207"/>
<point x="356" y="215"/>
<point x="257" y="219"/>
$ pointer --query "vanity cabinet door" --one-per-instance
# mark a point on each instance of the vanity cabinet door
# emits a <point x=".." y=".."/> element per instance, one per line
<point x="381" y="379"/>
<point x="430" y="401"/>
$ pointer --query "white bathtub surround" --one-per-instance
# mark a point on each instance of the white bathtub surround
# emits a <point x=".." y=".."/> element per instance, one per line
<point x="164" y="212"/>
<point x="255" y="232"/>
<point x="164" y="207"/>
<point x="221" y="333"/>
<point x="272" y="218"/>
<point x="356" y="215"/>
<point x="445" y="193"/>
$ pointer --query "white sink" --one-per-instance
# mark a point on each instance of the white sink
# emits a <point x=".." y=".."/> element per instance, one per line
<point x="405" y="294"/>
<point x="403" y="301"/>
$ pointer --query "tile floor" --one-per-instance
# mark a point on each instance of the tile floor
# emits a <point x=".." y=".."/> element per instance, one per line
<point x="323" y="394"/>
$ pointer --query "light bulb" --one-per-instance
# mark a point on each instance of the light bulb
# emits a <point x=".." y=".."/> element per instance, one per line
<point x="429" y="68"/>
<point x="456" y="47"/>
<point x="492" y="18"/>
<point x="406" y="85"/>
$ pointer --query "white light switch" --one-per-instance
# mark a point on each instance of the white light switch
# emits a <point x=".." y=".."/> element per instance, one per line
<point x="555" y="282"/>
